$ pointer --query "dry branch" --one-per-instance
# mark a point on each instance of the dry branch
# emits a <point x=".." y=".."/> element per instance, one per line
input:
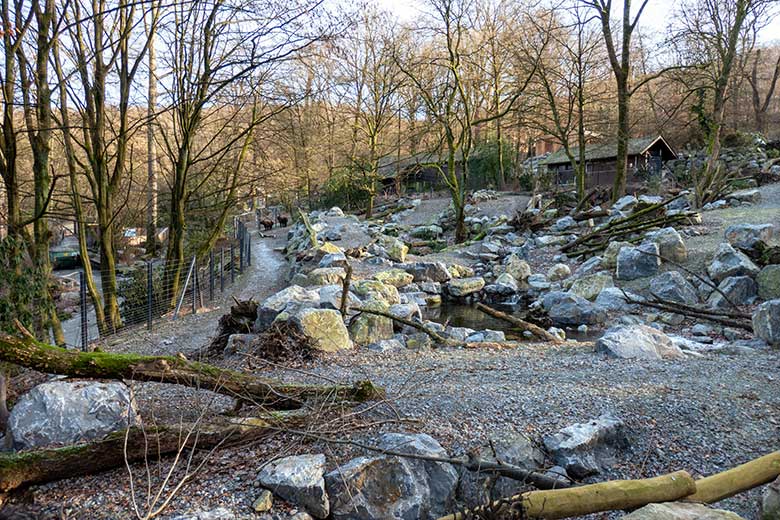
<point x="30" y="353"/>
<point x="46" y="465"/>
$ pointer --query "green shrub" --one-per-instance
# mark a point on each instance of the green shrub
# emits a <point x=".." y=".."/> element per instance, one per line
<point x="484" y="168"/>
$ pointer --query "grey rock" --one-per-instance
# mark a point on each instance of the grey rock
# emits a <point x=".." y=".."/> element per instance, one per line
<point x="330" y="297"/>
<point x="61" y="412"/>
<point x="299" y="480"/>
<point x="458" y="333"/>
<point x="460" y="287"/>
<point x="613" y="299"/>
<point x="591" y="265"/>
<point x="766" y="322"/>
<point x="590" y="286"/>
<point x="429" y="272"/>
<point x="505" y="285"/>
<point x="768" y="281"/>
<point x="680" y="511"/>
<point x="551" y="240"/>
<point x="751" y="196"/>
<point x="637" y="342"/>
<point x="562" y="224"/>
<point x="729" y="262"/>
<point x="334" y="260"/>
<point x="566" y="309"/>
<point x="586" y="448"/>
<point x="430" y="287"/>
<point x="427" y="232"/>
<point x="770" y="501"/>
<point x="740" y="290"/>
<point x="609" y="257"/>
<point x="369" y="328"/>
<point x="324" y="329"/>
<point x="538" y="282"/>
<point x="638" y="262"/>
<point x="670" y="244"/>
<point x="625" y="203"/>
<point x="558" y="272"/>
<point x="386" y="345"/>
<point x="671" y="286"/>
<point x="517" y="267"/>
<point x="490" y="336"/>
<point x="288" y="299"/>
<point x="746" y="235"/>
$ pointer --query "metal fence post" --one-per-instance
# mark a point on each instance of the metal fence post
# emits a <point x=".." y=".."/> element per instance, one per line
<point x="241" y="251"/>
<point x="83" y="310"/>
<point x="222" y="270"/>
<point x="211" y="275"/>
<point x="232" y="265"/>
<point x="248" y="248"/>
<point x="149" y="295"/>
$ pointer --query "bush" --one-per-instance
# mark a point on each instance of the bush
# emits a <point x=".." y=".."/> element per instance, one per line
<point x="20" y="282"/>
<point x="345" y="189"/>
<point x="484" y="168"/>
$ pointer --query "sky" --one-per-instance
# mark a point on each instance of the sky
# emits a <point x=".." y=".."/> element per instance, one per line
<point x="654" y="18"/>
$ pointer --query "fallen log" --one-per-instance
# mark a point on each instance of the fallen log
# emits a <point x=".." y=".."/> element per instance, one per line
<point x="740" y="321"/>
<point x="522" y="325"/>
<point x="30" y="353"/>
<point x="736" y="480"/>
<point x="411" y="323"/>
<point x="584" y="500"/>
<point x="134" y="444"/>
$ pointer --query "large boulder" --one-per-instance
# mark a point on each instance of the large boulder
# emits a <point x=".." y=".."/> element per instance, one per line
<point x="740" y="290"/>
<point x="746" y="235"/>
<point x="324" y="328"/>
<point x="670" y="244"/>
<point x="330" y="297"/>
<point x="65" y="412"/>
<point x="770" y="501"/>
<point x="566" y="309"/>
<point x="460" y="287"/>
<point x="517" y="267"/>
<point x="558" y="272"/>
<point x="299" y="480"/>
<point x="613" y="299"/>
<point x="584" y="449"/>
<point x="429" y="272"/>
<point x="766" y="322"/>
<point x="441" y="478"/>
<point x="680" y="511"/>
<point x="376" y="290"/>
<point x="327" y="276"/>
<point x="590" y="286"/>
<point x="334" y="260"/>
<point x="672" y="287"/>
<point x="430" y="232"/>
<point x="638" y="262"/>
<point x="396" y="250"/>
<point x="505" y="285"/>
<point x="609" y="257"/>
<point x="369" y="328"/>
<point x="768" y="281"/>
<point x="367" y="488"/>
<point x="625" y="203"/>
<point x="477" y="488"/>
<point x="288" y="299"/>
<point x="730" y="262"/>
<point x="394" y="277"/>
<point x="637" y="342"/>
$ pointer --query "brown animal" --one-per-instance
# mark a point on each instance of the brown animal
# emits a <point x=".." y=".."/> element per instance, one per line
<point x="267" y="223"/>
<point x="282" y="220"/>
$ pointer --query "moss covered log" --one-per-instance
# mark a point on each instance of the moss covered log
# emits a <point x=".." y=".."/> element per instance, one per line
<point x="30" y="353"/>
<point x="736" y="480"/>
<point x="47" y="465"/>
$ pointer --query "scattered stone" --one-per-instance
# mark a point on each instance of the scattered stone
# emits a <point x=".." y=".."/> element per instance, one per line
<point x="487" y="336"/>
<point x="460" y="287"/>
<point x="334" y="260"/>
<point x="558" y="272"/>
<point x="330" y="297"/>
<point x="570" y="310"/>
<point x="670" y="244"/>
<point x="264" y="502"/>
<point x="671" y="286"/>
<point x="638" y="262"/>
<point x="590" y="286"/>
<point x="538" y="282"/>
<point x="419" y="341"/>
<point x="517" y="267"/>
<point x="559" y="333"/>
<point x="504" y="285"/>
<point x="750" y="196"/>
<point x="609" y="257"/>
<point x="299" y="480"/>
<point x="746" y="235"/>
<point x="768" y="281"/>
<point x="729" y="262"/>
<point x="386" y="345"/>
<point x="740" y="290"/>
<point x="219" y="513"/>
<point x="324" y="328"/>
<point x="376" y="290"/>
<point x="335" y="211"/>
<point x="584" y="449"/>
<point x="766" y="322"/>
<point x="62" y="412"/>
<point x="327" y="276"/>
<point x="460" y="271"/>
<point x="562" y="224"/>
<point x="637" y="342"/>
<point x="396" y="249"/>
<point x="288" y="300"/>
<point x="625" y="203"/>
<point x="680" y="511"/>
<point x="551" y="240"/>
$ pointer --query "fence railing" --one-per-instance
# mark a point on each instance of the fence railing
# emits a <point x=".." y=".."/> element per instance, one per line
<point x="146" y="295"/>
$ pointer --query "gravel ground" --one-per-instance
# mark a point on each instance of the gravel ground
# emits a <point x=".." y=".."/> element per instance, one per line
<point x="702" y="415"/>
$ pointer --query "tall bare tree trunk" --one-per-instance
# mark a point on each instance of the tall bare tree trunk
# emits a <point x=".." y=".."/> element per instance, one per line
<point x="151" y="152"/>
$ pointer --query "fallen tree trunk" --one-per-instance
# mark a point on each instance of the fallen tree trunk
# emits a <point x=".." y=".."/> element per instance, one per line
<point x="520" y="324"/>
<point x="30" y="353"/>
<point x="736" y="480"/>
<point x="135" y="444"/>
<point x="583" y="500"/>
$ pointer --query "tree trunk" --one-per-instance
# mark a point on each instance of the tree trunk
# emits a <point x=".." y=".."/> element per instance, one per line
<point x="593" y="498"/>
<point x="151" y="152"/>
<point x="31" y="353"/>
<point x="736" y="480"/>
<point x="621" y="161"/>
<point x="135" y="444"/>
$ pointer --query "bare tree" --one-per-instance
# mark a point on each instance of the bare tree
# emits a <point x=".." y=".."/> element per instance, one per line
<point x="762" y="100"/>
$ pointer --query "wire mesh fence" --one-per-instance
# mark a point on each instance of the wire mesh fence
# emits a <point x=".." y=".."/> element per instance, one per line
<point x="166" y="290"/>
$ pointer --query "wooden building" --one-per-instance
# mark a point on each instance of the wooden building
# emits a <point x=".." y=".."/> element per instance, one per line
<point x="646" y="157"/>
<point x="417" y="173"/>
